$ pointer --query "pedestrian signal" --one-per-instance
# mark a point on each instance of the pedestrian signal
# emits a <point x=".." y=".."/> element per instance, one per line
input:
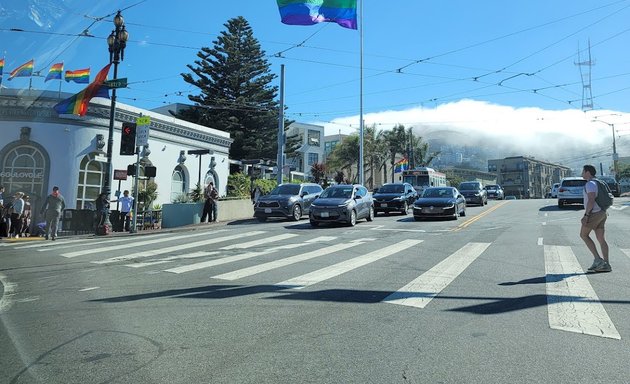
<point x="131" y="170"/>
<point x="128" y="139"/>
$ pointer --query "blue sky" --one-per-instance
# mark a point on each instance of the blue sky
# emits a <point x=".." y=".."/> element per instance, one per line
<point x="495" y="67"/>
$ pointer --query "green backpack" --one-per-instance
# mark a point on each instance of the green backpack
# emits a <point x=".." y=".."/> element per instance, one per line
<point x="604" y="196"/>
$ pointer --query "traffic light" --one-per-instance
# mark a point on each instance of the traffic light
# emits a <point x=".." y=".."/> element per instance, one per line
<point x="131" y="170"/>
<point x="149" y="171"/>
<point x="128" y="139"/>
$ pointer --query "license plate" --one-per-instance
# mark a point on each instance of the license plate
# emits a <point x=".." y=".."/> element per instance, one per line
<point x="267" y="210"/>
<point x="384" y="205"/>
<point x="324" y="214"/>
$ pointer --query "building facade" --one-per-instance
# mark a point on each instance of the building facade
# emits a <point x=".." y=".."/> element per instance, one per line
<point x="311" y="149"/>
<point x="526" y="177"/>
<point x="40" y="149"/>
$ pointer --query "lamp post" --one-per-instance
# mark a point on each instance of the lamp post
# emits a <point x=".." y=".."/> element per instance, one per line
<point x="615" y="156"/>
<point x="117" y="41"/>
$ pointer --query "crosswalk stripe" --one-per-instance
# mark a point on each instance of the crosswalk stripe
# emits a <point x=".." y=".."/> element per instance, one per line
<point x="194" y="255"/>
<point x="91" y="242"/>
<point x="175" y="248"/>
<point x="346" y="266"/>
<point x="133" y="243"/>
<point x="572" y="303"/>
<point x="47" y="243"/>
<point x="423" y="289"/>
<point x="238" y="274"/>
<point x="626" y="251"/>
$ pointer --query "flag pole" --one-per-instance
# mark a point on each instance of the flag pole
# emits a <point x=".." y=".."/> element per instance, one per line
<point x="281" y="142"/>
<point x="361" y="174"/>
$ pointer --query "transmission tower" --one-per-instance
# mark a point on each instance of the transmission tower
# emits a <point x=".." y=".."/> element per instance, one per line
<point x="585" y="73"/>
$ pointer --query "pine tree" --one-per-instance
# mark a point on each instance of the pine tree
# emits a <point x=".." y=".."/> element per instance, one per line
<point x="236" y="96"/>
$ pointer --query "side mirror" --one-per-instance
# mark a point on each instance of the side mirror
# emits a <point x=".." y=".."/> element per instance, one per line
<point x="304" y="193"/>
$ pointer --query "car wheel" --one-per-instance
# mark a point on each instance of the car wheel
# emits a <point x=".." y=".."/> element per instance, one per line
<point x="262" y="219"/>
<point x="314" y="223"/>
<point x="371" y="214"/>
<point x="297" y="213"/>
<point x="405" y="208"/>
<point x="560" y="204"/>
<point x="352" y="220"/>
<point x="462" y="213"/>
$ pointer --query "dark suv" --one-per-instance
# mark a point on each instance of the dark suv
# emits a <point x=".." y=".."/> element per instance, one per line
<point x="612" y="184"/>
<point x="287" y="200"/>
<point x="394" y="197"/>
<point x="473" y="192"/>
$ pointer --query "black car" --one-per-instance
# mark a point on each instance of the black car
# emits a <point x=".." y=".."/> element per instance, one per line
<point x="344" y="203"/>
<point x="287" y="200"/>
<point x="473" y="192"/>
<point x="439" y="202"/>
<point x="612" y="184"/>
<point x="394" y="197"/>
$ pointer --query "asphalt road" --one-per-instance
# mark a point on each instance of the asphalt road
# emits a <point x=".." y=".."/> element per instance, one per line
<point x="497" y="296"/>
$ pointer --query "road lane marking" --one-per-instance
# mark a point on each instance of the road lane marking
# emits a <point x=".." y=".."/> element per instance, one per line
<point x="88" y="289"/>
<point x="132" y="243"/>
<point x="479" y="216"/>
<point x="346" y="266"/>
<point x="626" y="251"/>
<point x="176" y="248"/>
<point x="9" y="290"/>
<point x="91" y="242"/>
<point x="423" y="289"/>
<point x="540" y="241"/>
<point x="238" y="274"/>
<point x="572" y="304"/>
<point x="212" y="253"/>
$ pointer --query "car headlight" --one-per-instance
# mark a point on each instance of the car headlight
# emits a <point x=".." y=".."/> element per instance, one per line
<point x="344" y="204"/>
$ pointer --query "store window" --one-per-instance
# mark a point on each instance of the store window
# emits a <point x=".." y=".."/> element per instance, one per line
<point x="23" y="170"/>
<point x="91" y="173"/>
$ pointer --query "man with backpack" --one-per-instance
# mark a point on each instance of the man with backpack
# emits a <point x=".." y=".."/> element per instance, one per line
<point x="594" y="219"/>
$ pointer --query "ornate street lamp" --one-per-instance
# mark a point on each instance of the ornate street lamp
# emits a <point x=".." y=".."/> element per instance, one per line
<point x="117" y="41"/>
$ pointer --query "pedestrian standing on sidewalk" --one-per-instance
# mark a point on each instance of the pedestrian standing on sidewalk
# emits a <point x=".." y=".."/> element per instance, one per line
<point x="26" y="217"/>
<point x="594" y="219"/>
<point x="102" y="209"/>
<point x="126" y="202"/>
<point x="52" y="208"/>
<point x="16" y="215"/>
<point x="210" y="206"/>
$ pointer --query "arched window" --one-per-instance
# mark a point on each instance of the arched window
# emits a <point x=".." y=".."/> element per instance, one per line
<point x="179" y="185"/>
<point x="91" y="173"/>
<point x="23" y="170"/>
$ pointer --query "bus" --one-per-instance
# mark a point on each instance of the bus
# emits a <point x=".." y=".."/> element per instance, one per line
<point x="424" y="177"/>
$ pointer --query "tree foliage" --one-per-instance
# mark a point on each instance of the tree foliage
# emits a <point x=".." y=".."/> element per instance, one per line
<point x="235" y="96"/>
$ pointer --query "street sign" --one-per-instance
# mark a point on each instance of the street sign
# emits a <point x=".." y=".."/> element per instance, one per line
<point x="120" y="174"/>
<point x="118" y="83"/>
<point x="100" y="158"/>
<point x="142" y="131"/>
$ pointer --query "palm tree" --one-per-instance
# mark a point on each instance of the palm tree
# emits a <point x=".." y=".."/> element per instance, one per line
<point x="345" y="155"/>
<point x="395" y="141"/>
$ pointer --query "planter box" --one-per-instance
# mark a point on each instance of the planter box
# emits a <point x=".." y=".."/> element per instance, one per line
<point x="178" y="215"/>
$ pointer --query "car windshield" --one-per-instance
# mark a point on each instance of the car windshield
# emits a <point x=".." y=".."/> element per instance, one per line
<point x="286" y="189"/>
<point x="337" y="193"/>
<point x="438" y="192"/>
<point x="392" y="188"/>
<point x="492" y="187"/>
<point x="468" y="186"/>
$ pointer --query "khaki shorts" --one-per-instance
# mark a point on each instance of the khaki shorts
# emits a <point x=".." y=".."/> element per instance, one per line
<point x="596" y="220"/>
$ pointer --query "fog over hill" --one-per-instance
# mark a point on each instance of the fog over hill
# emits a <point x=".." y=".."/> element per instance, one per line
<point x="569" y="137"/>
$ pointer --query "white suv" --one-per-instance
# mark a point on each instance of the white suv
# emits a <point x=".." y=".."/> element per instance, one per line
<point x="571" y="191"/>
<point x="554" y="190"/>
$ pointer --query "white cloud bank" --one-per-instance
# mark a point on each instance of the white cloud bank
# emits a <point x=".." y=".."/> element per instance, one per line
<point x="546" y="134"/>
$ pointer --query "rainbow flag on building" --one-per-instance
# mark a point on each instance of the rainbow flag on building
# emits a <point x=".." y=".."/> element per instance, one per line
<point x="401" y="165"/>
<point x="55" y="72"/>
<point x="81" y="76"/>
<point x="24" y="70"/>
<point x="1" y="69"/>
<point x="78" y="104"/>
<point x="309" y="12"/>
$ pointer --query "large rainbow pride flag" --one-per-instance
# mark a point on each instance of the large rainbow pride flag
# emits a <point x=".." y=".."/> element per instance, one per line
<point x="81" y="76"/>
<point x="24" y="70"/>
<point x="309" y="12"/>
<point x="78" y="104"/>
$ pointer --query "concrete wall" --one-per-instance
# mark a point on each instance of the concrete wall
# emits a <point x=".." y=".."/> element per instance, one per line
<point x="178" y="215"/>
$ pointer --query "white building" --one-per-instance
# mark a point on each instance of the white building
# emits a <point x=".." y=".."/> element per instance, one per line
<point x="40" y="149"/>
<point x="312" y="148"/>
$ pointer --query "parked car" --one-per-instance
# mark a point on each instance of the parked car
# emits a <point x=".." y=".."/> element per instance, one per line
<point x="287" y="200"/>
<point x="394" y="197"/>
<point x="439" y="202"/>
<point x="571" y="191"/>
<point x="473" y="192"/>
<point x="554" y="190"/>
<point x="344" y="203"/>
<point x="612" y="184"/>
<point x="495" y="191"/>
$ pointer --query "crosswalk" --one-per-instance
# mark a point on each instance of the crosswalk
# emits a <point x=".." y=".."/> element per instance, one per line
<point x="232" y="255"/>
